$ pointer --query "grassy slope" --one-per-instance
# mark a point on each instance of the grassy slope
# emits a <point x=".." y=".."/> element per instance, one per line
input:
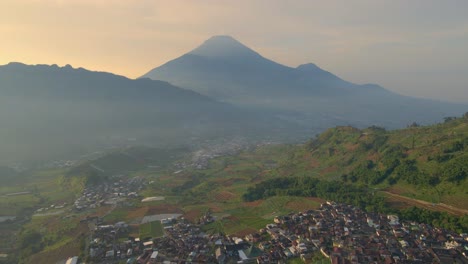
<point x="345" y="150"/>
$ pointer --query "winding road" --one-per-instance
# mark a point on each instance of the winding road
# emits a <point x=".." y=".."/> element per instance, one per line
<point x="428" y="205"/>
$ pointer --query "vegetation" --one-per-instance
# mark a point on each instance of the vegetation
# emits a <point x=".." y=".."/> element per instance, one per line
<point x="440" y="219"/>
<point x="350" y="165"/>
<point x="307" y="186"/>
<point x="30" y="242"/>
<point x="151" y="230"/>
<point x="407" y="161"/>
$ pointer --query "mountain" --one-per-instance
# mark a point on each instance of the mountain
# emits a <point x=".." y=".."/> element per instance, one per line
<point x="50" y="112"/>
<point x="224" y="68"/>
<point x="227" y="70"/>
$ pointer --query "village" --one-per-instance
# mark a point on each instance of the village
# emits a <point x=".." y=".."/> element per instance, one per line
<point x="111" y="192"/>
<point x="338" y="232"/>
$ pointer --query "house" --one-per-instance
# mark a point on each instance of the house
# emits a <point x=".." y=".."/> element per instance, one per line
<point x="252" y="253"/>
<point x="220" y="256"/>
<point x="72" y="260"/>
<point x="110" y="254"/>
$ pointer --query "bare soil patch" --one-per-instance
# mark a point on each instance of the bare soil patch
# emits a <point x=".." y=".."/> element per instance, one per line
<point x="101" y="211"/>
<point x="316" y="199"/>
<point x="215" y="208"/>
<point x="313" y="163"/>
<point x="394" y="190"/>
<point x="164" y="209"/>
<point x="299" y="206"/>
<point x="193" y="215"/>
<point x="329" y="170"/>
<point x="244" y="232"/>
<point x="351" y="147"/>
<point x="138" y="213"/>
<point x="224" y="196"/>
<point x="253" y="204"/>
<point x="374" y="157"/>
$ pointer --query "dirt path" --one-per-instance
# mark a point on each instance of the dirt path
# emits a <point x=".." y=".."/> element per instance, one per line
<point x="50" y="213"/>
<point x="427" y="205"/>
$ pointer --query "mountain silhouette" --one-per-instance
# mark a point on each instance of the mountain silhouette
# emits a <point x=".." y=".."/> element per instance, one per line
<point x="227" y="70"/>
<point x="224" y="46"/>
<point x="48" y="111"/>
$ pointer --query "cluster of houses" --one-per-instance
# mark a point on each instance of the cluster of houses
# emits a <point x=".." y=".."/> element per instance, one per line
<point x="201" y="158"/>
<point x="51" y="207"/>
<point x="109" y="193"/>
<point x="182" y="242"/>
<point x="178" y="243"/>
<point x="339" y="232"/>
<point x="346" y="234"/>
<point x="60" y="164"/>
<point x="106" y="245"/>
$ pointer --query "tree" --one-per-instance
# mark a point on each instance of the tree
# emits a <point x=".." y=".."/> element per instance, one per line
<point x="449" y="118"/>
<point x="456" y="170"/>
<point x="30" y="242"/>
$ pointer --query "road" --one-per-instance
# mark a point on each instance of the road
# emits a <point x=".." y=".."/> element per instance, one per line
<point x="427" y="205"/>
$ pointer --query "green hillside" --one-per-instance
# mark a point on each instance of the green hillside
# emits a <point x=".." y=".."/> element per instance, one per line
<point x="428" y="163"/>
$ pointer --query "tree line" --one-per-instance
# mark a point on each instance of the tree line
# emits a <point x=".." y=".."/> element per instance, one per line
<point x="311" y="187"/>
<point x="354" y="194"/>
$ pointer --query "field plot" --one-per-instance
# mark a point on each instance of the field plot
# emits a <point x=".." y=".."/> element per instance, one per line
<point x="255" y="215"/>
<point x="151" y="229"/>
<point x="158" y="217"/>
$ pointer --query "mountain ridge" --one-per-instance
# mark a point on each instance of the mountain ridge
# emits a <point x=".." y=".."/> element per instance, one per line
<point x="319" y="98"/>
<point x="66" y="111"/>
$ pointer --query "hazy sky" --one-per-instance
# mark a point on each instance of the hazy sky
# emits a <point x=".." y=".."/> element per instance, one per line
<point x="417" y="47"/>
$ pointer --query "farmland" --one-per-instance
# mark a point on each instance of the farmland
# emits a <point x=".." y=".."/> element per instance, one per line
<point x="151" y="229"/>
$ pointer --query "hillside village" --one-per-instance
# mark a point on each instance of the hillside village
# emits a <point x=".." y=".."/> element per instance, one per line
<point x="109" y="193"/>
<point x="338" y="232"/>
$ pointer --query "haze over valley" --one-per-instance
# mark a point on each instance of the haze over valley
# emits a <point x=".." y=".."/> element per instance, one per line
<point x="222" y="90"/>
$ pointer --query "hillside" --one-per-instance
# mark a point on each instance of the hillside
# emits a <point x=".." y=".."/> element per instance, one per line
<point x="124" y="161"/>
<point x="408" y="166"/>
<point x="52" y="112"/>
<point x="423" y="166"/>
<point x="424" y="162"/>
<point x="225" y="69"/>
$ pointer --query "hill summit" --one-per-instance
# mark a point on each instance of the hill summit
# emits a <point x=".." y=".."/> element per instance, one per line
<point x="223" y="46"/>
<point x="227" y="70"/>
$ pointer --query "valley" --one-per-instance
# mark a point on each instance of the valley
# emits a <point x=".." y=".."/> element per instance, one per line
<point x="62" y="207"/>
